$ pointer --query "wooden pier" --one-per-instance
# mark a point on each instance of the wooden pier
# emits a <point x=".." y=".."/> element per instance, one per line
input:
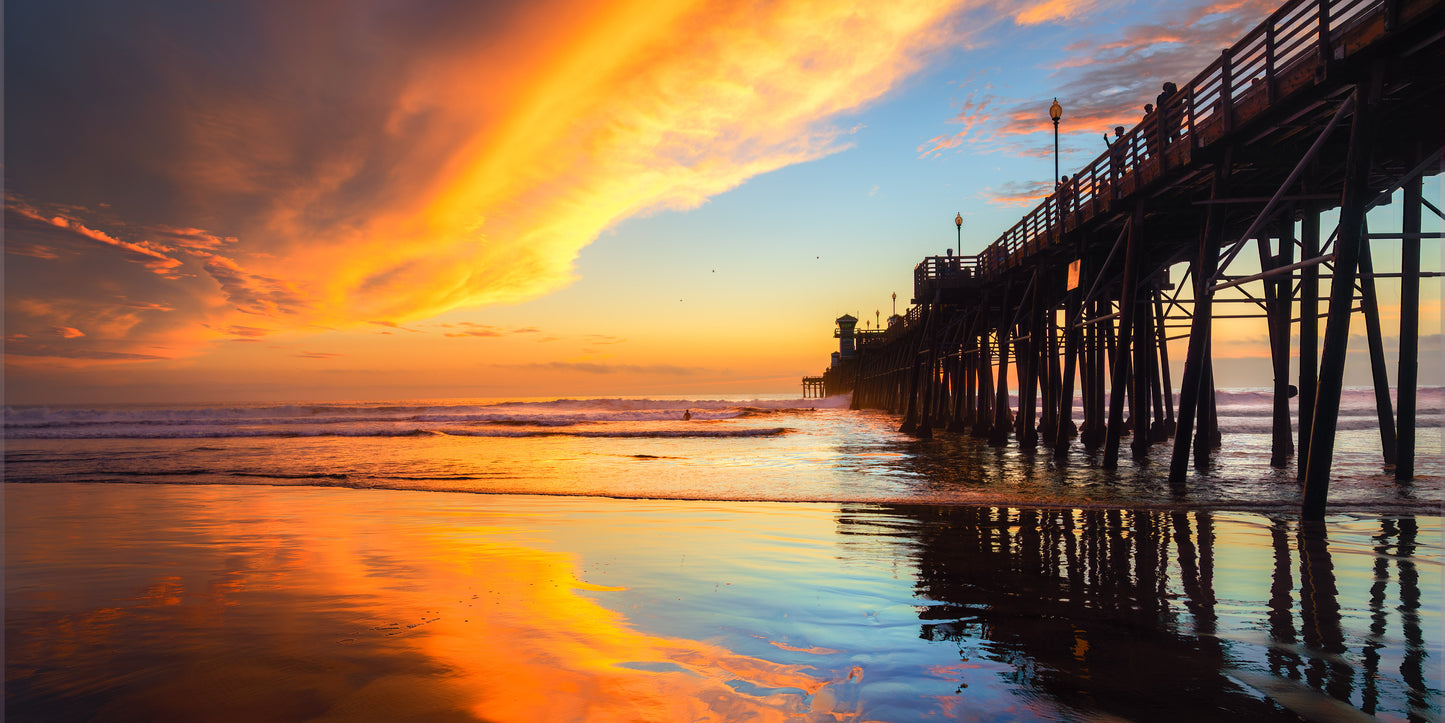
<point x="814" y="388"/>
<point x="1326" y="106"/>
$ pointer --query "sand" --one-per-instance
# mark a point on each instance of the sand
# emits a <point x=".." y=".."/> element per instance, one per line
<point x="211" y="602"/>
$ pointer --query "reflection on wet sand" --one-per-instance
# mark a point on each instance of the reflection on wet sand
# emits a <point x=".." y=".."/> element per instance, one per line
<point x="291" y="610"/>
<point x="172" y="602"/>
<point x="1128" y="614"/>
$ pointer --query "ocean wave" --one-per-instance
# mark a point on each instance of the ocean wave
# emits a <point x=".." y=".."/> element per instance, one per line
<point x="310" y="432"/>
<point x="627" y="433"/>
<point x="554" y="413"/>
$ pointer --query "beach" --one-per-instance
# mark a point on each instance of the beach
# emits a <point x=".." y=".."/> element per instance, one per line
<point x="441" y="361"/>
<point x="316" y="596"/>
<point x="215" y="602"/>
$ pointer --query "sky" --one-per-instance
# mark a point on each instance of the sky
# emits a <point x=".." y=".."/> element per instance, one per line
<point x="378" y="199"/>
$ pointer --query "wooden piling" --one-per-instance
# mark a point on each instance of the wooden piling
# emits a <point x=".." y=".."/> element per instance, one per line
<point x="1374" y="339"/>
<point x="1309" y="325"/>
<point x="1195" y="362"/>
<point x="1337" y="325"/>
<point x="1066" y="388"/>
<point x="1408" y="376"/>
<point x="1127" y="310"/>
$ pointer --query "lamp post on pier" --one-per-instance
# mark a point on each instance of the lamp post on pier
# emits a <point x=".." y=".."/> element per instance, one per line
<point x="1056" y="112"/>
<point x="958" y="221"/>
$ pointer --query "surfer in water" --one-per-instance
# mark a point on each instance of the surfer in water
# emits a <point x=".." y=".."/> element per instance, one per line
<point x="687" y="415"/>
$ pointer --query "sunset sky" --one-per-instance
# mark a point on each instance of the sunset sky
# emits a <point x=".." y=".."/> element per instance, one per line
<point x="378" y="199"/>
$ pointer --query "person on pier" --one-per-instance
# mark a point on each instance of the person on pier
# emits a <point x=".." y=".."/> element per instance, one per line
<point x="1148" y="126"/>
<point x="1169" y="115"/>
<point x="1116" y="159"/>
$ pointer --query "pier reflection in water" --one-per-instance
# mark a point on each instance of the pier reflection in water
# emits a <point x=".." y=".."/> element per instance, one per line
<point x="196" y="602"/>
<point x="1137" y="614"/>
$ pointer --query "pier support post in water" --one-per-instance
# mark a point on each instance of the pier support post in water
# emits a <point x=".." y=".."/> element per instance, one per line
<point x="1141" y="368"/>
<point x="983" y="417"/>
<point x="1277" y="293"/>
<point x="1196" y="361"/>
<point x="1164" y="388"/>
<point x="1309" y="332"/>
<point x="1065" y="415"/>
<point x="1050" y="402"/>
<point x="910" y="416"/>
<point x="1094" y="411"/>
<point x="963" y="382"/>
<point x="1409" y="373"/>
<point x="1119" y="379"/>
<point x="1029" y="371"/>
<point x="1370" y="309"/>
<point x="1342" y="293"/>
<point x="998" y="435"/>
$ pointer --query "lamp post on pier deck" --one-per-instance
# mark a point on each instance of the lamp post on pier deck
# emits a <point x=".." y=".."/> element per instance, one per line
<point x="1056" y="112"/>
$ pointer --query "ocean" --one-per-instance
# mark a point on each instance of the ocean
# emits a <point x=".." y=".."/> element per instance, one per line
<point x="688" y="558"/>
<point x="767" y="448"/>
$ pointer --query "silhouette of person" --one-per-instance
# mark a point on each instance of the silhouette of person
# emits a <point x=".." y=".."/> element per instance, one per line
<point x="1149" y="125"/>
<point x="1116" y="157"/>
<point x="1168" y="115"/>
<point x="1065" y="195"/>
<point x="687" y="415"/>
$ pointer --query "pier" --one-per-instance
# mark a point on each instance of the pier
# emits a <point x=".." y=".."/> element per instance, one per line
<point x="1327" y="108"/>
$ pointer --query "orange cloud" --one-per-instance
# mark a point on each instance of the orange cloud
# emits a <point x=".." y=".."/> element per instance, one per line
<point x="1024" y="194"/>
<point x="1053" y="11"/>
<point x="22" y="216"/>
<point x="34" y="251"/>
<point x="625" y="116"/>
<point x="461" y="159"/>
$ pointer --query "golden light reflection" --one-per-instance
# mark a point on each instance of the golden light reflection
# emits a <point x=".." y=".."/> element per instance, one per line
<point x="288" y="596"/>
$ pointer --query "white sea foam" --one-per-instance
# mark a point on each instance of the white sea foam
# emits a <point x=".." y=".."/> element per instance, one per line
<point x="578" y="417"/>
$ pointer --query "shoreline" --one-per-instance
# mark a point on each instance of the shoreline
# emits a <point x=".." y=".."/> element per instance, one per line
<point x="1423" y="507"/>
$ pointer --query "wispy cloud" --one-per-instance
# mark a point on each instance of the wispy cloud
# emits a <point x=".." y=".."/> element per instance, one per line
<point x="394" y="325"/>
<point x="601" y="368"/>
<point x="1053" y="11"/>
<point x="22" y="217"/>
<point x="1018" y="193"/>
<point x="467" y="328"/>
<point x="603" y="339"/>
<point x="34" y="251"/>
<point x="1102" y="80"/>
<point x="279" y="167"/>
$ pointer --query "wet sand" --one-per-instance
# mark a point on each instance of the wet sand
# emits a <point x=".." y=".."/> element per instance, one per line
<point x="213" y="602"/>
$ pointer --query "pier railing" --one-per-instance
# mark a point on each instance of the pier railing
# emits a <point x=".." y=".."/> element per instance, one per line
<point x="937" y="272"/>
<point x="1282" y="55"/>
